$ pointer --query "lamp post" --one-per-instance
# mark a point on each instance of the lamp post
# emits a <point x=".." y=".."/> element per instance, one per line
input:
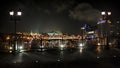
<point x="15" y="17"/>
<point x="82" y="28"/>
<point x="105" y="17"/>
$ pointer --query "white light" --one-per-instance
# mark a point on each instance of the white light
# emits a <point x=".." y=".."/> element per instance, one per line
<point x="110" y="43"/>
<point x="118" y="33"/>
<point x="109" y="13"/>
<point x="19" y="13"/>
<point x="91" y="32"/>
<point x="61" y="46"/>
<point x="81" y="49"/>
<point x="81" y="44"/>
<point x="99" y="44"/>
<point x="98" y="23"/>
<point x="98" y="57"/>
<point x="102" y="13"/>
<point x="114" y="56"/>
<point x="21" y="51"/>
<point x="118" y="22"/>
<point x="10" y="51"/>
<point x="14" y="62"/>
<point x="58" y="60"/>
<point x="11" y="48"/>
<point x="11" y="13"/>
<point x="20" y="47"/>
<point x="36" y="61"/>
<point x="83" y="28"/>
<point x="41" y="46"/>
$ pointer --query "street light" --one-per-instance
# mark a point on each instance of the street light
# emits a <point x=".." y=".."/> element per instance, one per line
<point x="11" y="13"/>
<point x="109" y="13"/>
<point x="105" y="15"/>
<point x="14" y="16"/>
<point x="19" y="13"/>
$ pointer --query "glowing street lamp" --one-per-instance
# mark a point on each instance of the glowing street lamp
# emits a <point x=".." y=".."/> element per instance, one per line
<point x="11" y="13"/>
<point x="105" y="14"/>
<point x="15" y="16"/>
<point x="109" y="13"/>
<point x="19" y="13"/>
<point x="62" y="47"/>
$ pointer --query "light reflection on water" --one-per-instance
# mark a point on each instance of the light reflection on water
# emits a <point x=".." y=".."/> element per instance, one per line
<point x="81" y="49"/>
<point x="99" y="49"/>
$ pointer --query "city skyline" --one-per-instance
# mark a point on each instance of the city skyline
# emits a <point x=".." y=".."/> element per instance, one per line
<point x="56" y="15"/>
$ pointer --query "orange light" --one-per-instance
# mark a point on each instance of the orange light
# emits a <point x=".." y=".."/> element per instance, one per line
<point x="109" y="21"/>
<point x="8" y="37"/>
<point x="28" y="38"/>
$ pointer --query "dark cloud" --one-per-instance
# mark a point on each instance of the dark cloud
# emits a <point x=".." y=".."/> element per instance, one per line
<point x="51" y="6"/>
<point x="85" y="12"/>
<point x="61" y="6"/>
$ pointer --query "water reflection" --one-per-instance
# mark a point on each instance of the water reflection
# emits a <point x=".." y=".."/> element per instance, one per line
<point x="61" y="55"/>
<point x="18" y="58"/>
<point x="99" y="49"/>
<point x="81" y="49"/>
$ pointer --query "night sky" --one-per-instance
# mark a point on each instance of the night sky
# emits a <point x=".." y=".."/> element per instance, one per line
<point x="55" y="15"/>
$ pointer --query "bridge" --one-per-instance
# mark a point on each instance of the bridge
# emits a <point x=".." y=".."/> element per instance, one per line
<point x="62" y="37"/>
